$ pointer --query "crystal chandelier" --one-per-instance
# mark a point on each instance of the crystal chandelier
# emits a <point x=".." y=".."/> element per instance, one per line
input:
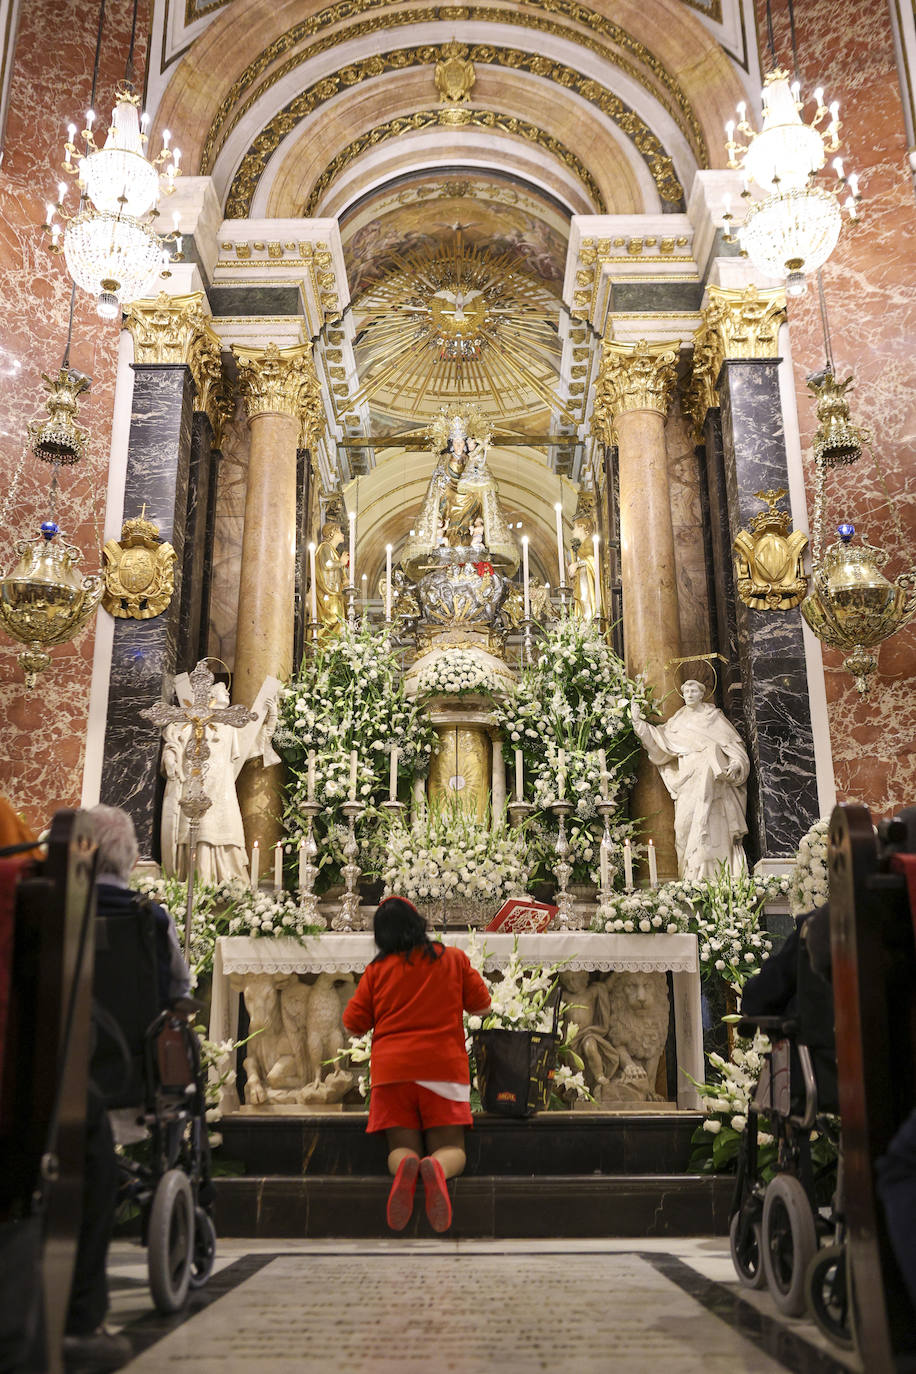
<point x="792" y="231"/>
<point x="852" y="606"/>
<point x="111" y="245"/>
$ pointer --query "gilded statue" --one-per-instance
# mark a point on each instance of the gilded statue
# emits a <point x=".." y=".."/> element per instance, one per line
<point x="582" y="569"/>
<point x="331" y="561"/>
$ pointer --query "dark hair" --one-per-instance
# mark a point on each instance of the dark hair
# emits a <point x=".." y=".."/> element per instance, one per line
<point x="400" y="929"/>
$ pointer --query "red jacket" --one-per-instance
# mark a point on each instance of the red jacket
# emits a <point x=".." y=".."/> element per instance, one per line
<point x="414" y="1007"/>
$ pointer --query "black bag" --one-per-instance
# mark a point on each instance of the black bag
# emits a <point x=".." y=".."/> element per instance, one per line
<point x="126" y="987"/>
<point x="515" y="1068"/>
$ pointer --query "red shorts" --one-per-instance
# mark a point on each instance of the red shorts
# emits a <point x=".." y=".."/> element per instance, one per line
<point x="414" y="1108"/>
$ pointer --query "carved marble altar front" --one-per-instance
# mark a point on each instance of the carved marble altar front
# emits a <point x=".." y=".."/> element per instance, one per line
<point x="295" y="968"/>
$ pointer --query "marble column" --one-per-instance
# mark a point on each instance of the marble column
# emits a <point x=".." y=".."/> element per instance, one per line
<point x="280" y="390"/>
<point x="632" y="396"/>
<point x="741" y="332"/>
<point x="498" y="777"/>
<point x="303" y="527"/>
<point x="146" y="653"/>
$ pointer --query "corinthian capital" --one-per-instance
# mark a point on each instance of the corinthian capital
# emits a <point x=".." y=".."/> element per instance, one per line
<point x="633" y="377"/>
<point x="165" y="329"/>
<point x="745" y="323"/>
<point x="276" y="380"/>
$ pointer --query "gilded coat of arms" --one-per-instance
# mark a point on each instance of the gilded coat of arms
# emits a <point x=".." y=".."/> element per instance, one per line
<point x="139" y="572"/>
<point x="455" y="76"/>
<point x="770" y="572"/>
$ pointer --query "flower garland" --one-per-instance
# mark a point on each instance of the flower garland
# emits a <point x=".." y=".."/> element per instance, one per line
<point x="454" y="672"/>
<point x="450" y="854"/>
<point x="809" y="879"/>
<point x="723" y="912"/>
<point x="350" y="696"/>
<point x="576" y="698"/>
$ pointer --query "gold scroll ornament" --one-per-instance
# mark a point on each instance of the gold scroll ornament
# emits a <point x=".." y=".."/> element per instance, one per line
<point x="139" y="571"/>
<point x="768" y="558"/>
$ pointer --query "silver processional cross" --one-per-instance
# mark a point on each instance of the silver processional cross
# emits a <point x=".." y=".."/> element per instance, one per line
<point x="199" y="713"/>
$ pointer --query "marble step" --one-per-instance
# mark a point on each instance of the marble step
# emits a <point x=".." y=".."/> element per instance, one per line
<point x="485" y="1206"/>
<point x="554" y="1143"/>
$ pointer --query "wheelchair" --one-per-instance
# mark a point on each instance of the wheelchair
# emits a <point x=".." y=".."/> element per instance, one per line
<point x="149" y="1059"/>
<point x="788" y="1233"/>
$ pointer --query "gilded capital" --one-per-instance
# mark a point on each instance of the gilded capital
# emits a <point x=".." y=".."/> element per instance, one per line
<point x="280" y="381"/>
<point x="633" y="377"/>
<point x="214" y="393"/>
<point x="746" y="322"/>
<point x="165" y="329"/>
<point x="700" y="393"/>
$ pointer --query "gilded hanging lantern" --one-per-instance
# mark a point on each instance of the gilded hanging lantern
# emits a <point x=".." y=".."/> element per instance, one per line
<point x="44" y="600"/>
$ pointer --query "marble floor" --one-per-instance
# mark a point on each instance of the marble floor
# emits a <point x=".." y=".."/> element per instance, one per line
<point x="467" y="1307"/>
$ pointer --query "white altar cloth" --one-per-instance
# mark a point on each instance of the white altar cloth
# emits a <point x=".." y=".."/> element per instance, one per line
<point x="238" y="954"/>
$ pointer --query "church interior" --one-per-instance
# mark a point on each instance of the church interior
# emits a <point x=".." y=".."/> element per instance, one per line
<point x="464" y="452"/>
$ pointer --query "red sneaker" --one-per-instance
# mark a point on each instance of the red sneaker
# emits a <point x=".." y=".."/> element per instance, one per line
<point x="438" y="1204"/>
<point x="400" y="1199"/>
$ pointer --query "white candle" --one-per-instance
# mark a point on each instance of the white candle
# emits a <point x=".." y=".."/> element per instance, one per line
<point x="605" y="865"/>
<point x="598" y="597"/>
<point x="255" y="865"/>
<point x="351" y="578"/>
<point x="628" y="864"/>
<point x="388" y="582"/>
<point x="653" y="865"/>
<point x="526" y="585"/>
<point x="303" y="860"/>
<point x="365" y="590"/>
<point x="561" y="774"/>
<point x="560" y="559"/>
<point x="353" y="775"/>
<point x="602" y="766"/>
<point x="314" y="585"/>
<point x="393" y="774"/>
<point x="519" y="775"/>
<point x="311" y="775"/>
<point x="278" y="866"/>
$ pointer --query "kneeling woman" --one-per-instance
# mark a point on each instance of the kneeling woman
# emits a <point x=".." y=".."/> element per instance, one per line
<point x="412" y="997"/>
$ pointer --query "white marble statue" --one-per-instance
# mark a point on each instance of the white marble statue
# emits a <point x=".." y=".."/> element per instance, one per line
<point x="221" y="853"/>
<point x="704" y="766"/>
<point x="295" y="1034"/>
<point x="587" y="1004"/>
<point x="638" y="1029"/>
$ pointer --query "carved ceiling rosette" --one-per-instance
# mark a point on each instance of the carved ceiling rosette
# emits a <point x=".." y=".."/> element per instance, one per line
<point x="638" y="376"/>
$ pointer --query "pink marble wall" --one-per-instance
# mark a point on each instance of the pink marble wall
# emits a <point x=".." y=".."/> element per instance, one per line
<point x="43" y="737"/>
<point x="870" y="284"/>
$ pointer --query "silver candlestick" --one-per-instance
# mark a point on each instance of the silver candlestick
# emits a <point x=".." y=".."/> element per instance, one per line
<point x="566" y="918"/>
<point x="308" y="871"/>
<point x="350" y="594"/>
<point x="347" y="919"/>
<point x="527" y="628"/>
<point x="519" y="811"/>
<point x="605" y="809"/>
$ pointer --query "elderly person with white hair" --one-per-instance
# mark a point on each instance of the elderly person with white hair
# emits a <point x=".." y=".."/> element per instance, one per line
<point x="118" y="852"/>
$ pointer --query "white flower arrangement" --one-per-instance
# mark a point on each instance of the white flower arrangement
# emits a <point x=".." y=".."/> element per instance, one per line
<point x="225" y="909"/>
<point x="809" y="879"/>
<point x="451" y="855"/>
<point x="723" y="912"/>
<point x="455" y="672"/>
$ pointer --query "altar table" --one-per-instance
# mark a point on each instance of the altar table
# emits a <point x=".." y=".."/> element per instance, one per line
<point x="331" y="953"/>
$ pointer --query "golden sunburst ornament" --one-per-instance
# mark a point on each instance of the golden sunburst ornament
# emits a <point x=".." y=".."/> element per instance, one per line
<point x="456" y="320"/>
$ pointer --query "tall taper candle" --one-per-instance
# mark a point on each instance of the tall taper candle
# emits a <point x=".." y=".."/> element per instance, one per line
<point x="388" y="582"/>
<point x="278" y="866"/>
<point x="310" y="795"/>
<point x="526" y="584"/>
<point x="628" y="864"/>
<point x="561" y="562"/>
<point x="653" y="865"/>
<point x="393" y="774"/>
<point x="599" y="600"/>
<point x="519" y="776"/>
<point x="353" y="775"/>
<point x="314" y="591"/>
<point x="351" y="573"/>
<point x="255" y="865"/>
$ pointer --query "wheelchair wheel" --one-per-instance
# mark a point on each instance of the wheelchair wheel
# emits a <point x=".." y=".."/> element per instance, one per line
<point x="204" y="1252"/>
<point x="789" y="1242"/>
<point x="170" y="1241"/>
<point x="744" y="1243"/>
<point x="827" y="1285"/>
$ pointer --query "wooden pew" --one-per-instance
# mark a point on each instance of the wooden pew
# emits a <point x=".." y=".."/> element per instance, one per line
<point x="45" y="1064"/>
<point x="874" y="983"/>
